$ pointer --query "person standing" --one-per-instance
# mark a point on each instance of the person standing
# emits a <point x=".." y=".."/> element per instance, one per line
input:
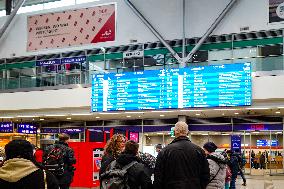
<point x="21" y="171"/>
<point x="241" y="166"/>
<point x="159" y="147"/>
<point x="217" y="165"/>
<point x="181" y="164"/>
<point x="234" y="166"/>
<point x="60" y="154"/>
<point x="112" y="149"/>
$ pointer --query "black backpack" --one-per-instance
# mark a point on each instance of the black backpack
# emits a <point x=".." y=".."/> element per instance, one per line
<point x="116" y="177"/>
<point x="54" y="161"/>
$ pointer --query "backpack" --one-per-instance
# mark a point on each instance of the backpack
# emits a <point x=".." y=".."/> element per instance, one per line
<point x="116" y="177"/>
<point x="54" y="161"/>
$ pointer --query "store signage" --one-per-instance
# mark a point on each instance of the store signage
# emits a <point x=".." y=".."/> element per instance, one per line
<point x="6" y="127"/>
<point x="27" y="128"/>
<point x="49" y="130"/>
<point x="236" y="142"/>
<point x="71" y="60"/>
<point x="72" y="130"/>
<point x="264" y="143"/>
<point x="72" y="27"/>
<point x="257" y="127"/>
<point x="133" y="54"/>
<point x="48" y="62"/>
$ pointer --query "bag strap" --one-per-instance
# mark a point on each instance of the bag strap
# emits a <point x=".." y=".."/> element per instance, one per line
<point x="44" y="179"/>
<point x="126" y="167"/>
<point x="216" y="174"/>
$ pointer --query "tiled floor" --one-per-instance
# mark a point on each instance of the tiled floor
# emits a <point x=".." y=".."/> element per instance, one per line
<point x="255" y="182"/>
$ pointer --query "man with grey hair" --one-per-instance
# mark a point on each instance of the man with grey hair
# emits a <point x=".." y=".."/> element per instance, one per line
<point x="182" y="164"/>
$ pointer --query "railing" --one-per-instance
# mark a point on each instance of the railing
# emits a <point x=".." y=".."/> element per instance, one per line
<point x="273" y="65"/>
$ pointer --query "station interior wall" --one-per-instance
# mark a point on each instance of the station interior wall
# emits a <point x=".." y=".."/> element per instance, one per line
<point x="165" y="15"/>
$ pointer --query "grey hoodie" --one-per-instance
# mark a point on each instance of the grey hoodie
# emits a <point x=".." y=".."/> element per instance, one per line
<point x="217" y="161"/>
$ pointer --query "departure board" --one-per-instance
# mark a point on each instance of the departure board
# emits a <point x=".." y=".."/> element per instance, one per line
<point x="192" y="87"/>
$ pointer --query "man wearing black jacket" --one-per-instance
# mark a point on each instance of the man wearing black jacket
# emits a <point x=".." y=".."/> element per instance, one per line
<point x="182" y="164"/>
<point x="66" y="178"/>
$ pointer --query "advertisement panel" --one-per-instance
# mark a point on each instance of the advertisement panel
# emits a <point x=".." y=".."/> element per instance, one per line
<point x="276" y="11"/>
<point x="71" y="27"/>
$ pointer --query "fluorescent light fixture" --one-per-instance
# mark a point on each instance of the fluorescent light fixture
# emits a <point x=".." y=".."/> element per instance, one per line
<point x="191" y="110"/>
<point x="81" y="114"/>
<point x="197" y="114"/>
<point x="134" y="112"/>
<point x="162" y="111"/>
<point x="278" y="112"/>
<point x="236" y="113"/>
<point x="31" y="116"/>
<point x="162" y="115"/>
<point x="226" y="109"/>
<point x="255" y="132"/>
<point x="98" y="117"/>
<point x="55" y="115"/>
<point x="278" y="132"/>
<point x="68" y="118"/>
<point x="281" y="107"/>
<point x="6" y="117"/>
<point x="225" y="134"/>
<point x="41" y="119"/>
<point x="205" y="134"/>
<point x="128" y="116"/>
<point x="105" y="113"/>
<point x="160" y="133"/>
<point x="257" y="108"/>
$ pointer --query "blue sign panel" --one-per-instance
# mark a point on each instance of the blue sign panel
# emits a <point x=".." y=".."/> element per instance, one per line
<point x="71" y="60"/>
<point x="203" y="86"/>
<point x="49" y="130"/>
<point x="236" y="143"/>
<point x="264" y="143"/>
<point x="6" y="127"/>
<point x="48" y="62"/>
<point x="72" y="130"/>
<point x="27" y="128"/>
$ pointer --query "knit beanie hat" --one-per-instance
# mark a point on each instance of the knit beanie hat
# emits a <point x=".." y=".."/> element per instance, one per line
<point x="210" y="147"/>
<point x="19" y="149"/>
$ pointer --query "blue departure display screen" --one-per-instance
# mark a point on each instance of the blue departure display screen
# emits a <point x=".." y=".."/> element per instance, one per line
<point x="266" y="143"/>
<point x="193" y="87"/>
<point x="6" y="127"/>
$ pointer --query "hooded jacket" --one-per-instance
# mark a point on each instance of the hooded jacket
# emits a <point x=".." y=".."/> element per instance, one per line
<point x="218" y="166"/>
<point x="20" y="173"/>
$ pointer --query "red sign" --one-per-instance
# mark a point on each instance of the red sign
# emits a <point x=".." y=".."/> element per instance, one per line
<point x="257" y="127"/>
<point x="72" y="27"/>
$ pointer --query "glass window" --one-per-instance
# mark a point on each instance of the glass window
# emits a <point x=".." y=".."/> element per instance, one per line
<point x="271" y="50"/>
<point x="220" y="55"/>
<point x="49" y="69"/>
<point x="73" y="67"/>
<point x="28" y="78"/>
<point x="200" y="56"/>
<point x="245" y="53"/>
<point x="30" y="6"/>
<point x="113" y="65"/>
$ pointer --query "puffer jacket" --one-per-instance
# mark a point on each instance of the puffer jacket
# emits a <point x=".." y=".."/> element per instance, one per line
<point x="217" y="165"/>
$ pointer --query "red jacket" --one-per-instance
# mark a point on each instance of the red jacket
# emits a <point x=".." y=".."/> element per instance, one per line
<point x="38" y="155"/>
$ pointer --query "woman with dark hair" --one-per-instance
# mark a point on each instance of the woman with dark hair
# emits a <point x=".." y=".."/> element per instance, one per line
<point x="21" y="171"/>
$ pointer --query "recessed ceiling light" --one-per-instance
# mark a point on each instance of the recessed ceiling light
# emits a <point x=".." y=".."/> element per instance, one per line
<point x="224" y="134"/>
<point x="236" y="113"/>
<point x="257" y="108"/>
<point x="278" y="112"/>
<point x="139" y="116"/>
<point x="27" y="116"/>
<point x="255" y="132"/>
<point x="197" y="114"/>
<point x="162" y="115"/>
<point x="98" y="117"/>
<point x="41" y="119"/>
<point x="159" y="133"/>
<point x="205" y="134"/>
<point x="55" y="115"/>
<point x="281" y="107"/>
<point x="33" y="119"/>
<point x="68" y="118"/>
<point x="128" y="116"/>
<point x="223" y="114"/>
